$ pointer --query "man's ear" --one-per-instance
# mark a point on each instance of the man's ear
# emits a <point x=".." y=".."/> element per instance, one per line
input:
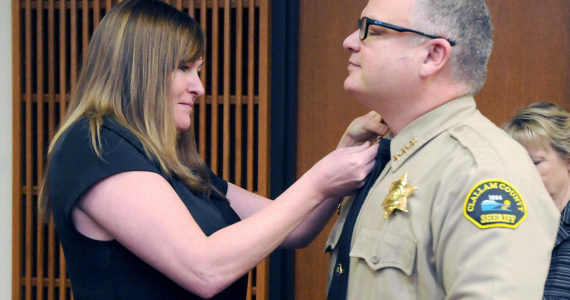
<point x="437" y="55"/>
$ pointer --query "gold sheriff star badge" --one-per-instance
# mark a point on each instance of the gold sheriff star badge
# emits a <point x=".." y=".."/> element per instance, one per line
<point x="398" y="195"/>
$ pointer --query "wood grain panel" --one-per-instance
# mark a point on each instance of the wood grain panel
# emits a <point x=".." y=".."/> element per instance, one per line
<point x="530" y="58"/>
<point x="324" y="112"/>
<point x="51" y="38"/>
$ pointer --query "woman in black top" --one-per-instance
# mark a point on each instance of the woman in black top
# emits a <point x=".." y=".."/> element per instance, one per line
<point x="138" y="213"/>
<point x="543" y="128"/>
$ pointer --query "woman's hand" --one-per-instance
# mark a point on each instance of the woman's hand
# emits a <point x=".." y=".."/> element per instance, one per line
<point x="363" y="129"/>
<point x="342" y="171"/>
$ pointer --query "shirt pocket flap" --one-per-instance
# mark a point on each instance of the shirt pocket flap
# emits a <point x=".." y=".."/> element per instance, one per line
<point x="385" y="249"/>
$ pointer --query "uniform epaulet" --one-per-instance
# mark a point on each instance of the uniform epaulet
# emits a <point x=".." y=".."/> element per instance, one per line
<point x="483" y="152"/>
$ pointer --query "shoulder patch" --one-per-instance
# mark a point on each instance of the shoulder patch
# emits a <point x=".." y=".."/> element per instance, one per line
<point x="494" y="203"/>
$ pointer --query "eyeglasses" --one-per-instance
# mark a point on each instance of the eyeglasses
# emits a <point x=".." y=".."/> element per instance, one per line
<point x="365" y="22"/>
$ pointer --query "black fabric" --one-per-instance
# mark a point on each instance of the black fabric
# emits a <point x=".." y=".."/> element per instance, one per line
<point x="558" y="281"/>
<point x="339" y="282"/>
<point x="106" y="269"/>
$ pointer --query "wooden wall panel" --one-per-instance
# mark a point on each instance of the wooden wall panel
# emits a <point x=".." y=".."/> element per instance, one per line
<point x="529" y="62"/>
<point x="232" y="119"/>
<point x="324" y="111"/>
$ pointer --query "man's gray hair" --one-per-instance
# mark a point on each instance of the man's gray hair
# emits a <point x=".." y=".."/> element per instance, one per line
<point x="468" y="23"/>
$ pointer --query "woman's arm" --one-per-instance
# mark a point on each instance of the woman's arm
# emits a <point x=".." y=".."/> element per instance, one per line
<point x="358" y="132"/>
<point x="246" y="203"/>
<point x="142" y="212"/>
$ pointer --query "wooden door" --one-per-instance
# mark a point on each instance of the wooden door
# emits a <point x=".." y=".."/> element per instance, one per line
<point x="529" y="62"/>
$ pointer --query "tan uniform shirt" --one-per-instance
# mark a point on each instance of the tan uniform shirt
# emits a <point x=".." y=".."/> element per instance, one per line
<point x="480" y="224"/>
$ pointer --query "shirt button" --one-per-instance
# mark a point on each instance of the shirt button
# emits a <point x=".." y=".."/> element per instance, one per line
<point x="338" y="269"/>
<point x="375" y="259"/>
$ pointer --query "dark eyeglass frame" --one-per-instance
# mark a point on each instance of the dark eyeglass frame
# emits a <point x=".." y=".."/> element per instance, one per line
<point x="363" y="31"/>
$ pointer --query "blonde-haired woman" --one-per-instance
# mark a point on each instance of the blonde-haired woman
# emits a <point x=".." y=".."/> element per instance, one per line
<point x="138" y="213"/>
<point x="544" y="130"/>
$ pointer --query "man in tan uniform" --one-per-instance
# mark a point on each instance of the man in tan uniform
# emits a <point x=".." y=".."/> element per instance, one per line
<point x="459" y="211"/>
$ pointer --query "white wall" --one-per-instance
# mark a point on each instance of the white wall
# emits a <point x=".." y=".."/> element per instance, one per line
<point x="6" y="149"/>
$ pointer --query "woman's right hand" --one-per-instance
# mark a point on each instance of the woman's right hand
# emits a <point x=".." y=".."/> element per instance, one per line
<point x="342" y="171"/>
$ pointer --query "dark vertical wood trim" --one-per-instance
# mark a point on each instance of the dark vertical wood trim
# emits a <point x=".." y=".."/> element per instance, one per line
<point x="191" y="8"/>
<point x="85" y="31"/>
<point x="40" y="145"/>
<point x="51" y="131"/>
<point x="202" y="101"/>
<point x="284" y="52"/>
<point x="16" y="151"/>
<point x="263" y="155"/>
<point x="63" y="80"/>
<point x="239" y="96"/>
<point x="73" y="42"/>
<point x="226" y="88"/>
<point x="28" y="150"/>
<point x="250" y="92"/>
<point x="214" y="145"/>
<point x="62" y="56"/>
<point x="96" y="13"/>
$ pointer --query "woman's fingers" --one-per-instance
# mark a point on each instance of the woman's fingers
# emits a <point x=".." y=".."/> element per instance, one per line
<point x="364" y="128"/>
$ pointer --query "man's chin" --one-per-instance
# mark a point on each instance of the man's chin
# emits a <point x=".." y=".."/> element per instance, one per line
<point x="351" y="87"/>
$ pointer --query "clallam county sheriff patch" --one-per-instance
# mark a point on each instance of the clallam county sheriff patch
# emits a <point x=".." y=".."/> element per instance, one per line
<point x="494" y="203"/>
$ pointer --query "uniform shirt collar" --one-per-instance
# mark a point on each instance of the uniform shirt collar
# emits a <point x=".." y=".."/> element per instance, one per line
<point x="428" y="126"/>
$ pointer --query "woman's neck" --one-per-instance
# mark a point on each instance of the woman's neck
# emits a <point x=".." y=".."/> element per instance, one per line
<point x="563" y="199"/>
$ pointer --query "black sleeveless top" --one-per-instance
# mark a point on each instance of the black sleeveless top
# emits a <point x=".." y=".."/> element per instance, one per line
<point x="106" y="269"/>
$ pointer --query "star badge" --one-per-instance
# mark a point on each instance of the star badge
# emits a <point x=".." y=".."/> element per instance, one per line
<point x="398" y="195"/>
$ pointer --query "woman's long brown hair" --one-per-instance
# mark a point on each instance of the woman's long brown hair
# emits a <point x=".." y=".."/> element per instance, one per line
<point x="125" y="76"/>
